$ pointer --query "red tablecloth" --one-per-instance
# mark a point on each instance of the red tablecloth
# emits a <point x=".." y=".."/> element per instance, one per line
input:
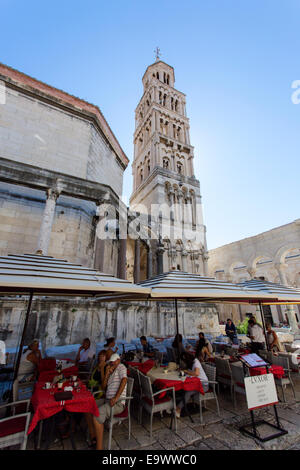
<point x="48" y="375"/>
<point x="190" y="383"/>
<point x="143" y="367"/>
<point x="277" y="371"/>
<point x="45" y="406"/>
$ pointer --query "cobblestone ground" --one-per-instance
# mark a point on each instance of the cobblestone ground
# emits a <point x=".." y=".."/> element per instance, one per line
<point x="216" y="433"/>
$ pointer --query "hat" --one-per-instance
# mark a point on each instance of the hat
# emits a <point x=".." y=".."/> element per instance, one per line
<point x="114" y="357"/>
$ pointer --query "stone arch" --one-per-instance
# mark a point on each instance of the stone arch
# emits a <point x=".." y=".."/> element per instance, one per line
<point x="252" y="262"/>
<point x="283" y="251"/>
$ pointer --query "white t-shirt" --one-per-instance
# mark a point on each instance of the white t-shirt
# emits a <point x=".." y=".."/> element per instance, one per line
<point x="202" y="375"/>
<point x="257" y="333"/>
<point x="86" y="354"/>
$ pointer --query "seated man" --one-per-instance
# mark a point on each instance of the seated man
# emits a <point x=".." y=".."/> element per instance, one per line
<point x="115" y="385"/>
<point x="148" y="350"/>
<point x="85" y="354"/>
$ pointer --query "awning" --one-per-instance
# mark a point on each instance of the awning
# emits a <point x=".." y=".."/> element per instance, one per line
<point x="44" y="275"/>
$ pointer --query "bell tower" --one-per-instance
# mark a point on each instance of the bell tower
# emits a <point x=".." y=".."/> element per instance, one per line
<point x="163" y="171"/>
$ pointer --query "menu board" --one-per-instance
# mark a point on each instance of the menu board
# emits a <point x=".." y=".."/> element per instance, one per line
<point x="253" y="360"/>
<point x="260" y="391"/>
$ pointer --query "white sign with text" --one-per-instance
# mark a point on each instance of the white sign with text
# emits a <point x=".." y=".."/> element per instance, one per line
<point x="260" y="391"/>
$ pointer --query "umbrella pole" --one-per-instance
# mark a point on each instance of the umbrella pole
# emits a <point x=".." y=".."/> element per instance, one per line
<point x="177" y="330"/>
<point x="23" y="336"/>
<point x="264" y="326"/>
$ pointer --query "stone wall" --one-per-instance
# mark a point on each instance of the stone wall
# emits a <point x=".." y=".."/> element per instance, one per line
<point x="40" y="134"/>
<point x="63" y="321"/>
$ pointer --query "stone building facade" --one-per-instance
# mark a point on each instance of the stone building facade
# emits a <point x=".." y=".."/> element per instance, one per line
<point x="61" y="179"/>
<point x="59" y="160"/>
<point x="272" y="256"/>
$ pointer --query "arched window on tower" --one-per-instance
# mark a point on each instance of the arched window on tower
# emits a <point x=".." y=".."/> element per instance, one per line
<point x="157" y="75"/>
<point x="176" y="105"/>
<point x="160" y="97"/>
<point x="166" y="163"/>
<point x="164" y="100"/>
<point x="179" y="168"/>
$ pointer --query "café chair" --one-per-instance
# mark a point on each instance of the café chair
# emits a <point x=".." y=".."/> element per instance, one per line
<point x="210" y="372"/>
<point x="238" y="381"/>
<point x="13" y="429"/>
<point x="224" y="373"/>
<point x="152" y="403"/>
<point x="286" y="379"/>
<point x="124" y="415"/>
<point x="293" y="362"/>
<point x="134" y="374"/>
<point x="22" y="390"/>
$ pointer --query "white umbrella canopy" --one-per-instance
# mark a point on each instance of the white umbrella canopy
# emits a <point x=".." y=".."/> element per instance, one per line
<point x="44" y="275"/>
<point x="193" y="287"/>
<point x="284" y="294"/>
<point x="40" y="275"/>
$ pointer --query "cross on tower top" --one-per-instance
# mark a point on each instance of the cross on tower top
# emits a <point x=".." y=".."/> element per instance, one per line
<point x="157" y="53"/>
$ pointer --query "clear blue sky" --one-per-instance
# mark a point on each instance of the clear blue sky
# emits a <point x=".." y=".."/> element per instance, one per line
<point x="234" y="59"/>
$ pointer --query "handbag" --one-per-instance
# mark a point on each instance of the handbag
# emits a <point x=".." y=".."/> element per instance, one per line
<point x="62" y="396"/>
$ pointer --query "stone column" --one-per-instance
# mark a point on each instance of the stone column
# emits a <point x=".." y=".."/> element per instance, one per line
<point x="205" y="258"/>
<point x="251" y="272"/>
<point x="160" y="263"/>
<point x="281" y="267"/>
<point x="48" y="216"/>
<point x="184" y="255"/>
<point x="149" y="262"/>
<point x="122" y="258"/>
<point x="137" y="260"/>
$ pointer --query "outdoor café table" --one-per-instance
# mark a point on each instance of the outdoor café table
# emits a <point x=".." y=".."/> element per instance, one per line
<point x="45" y="406"/>
<point x="48" y="375"/>
<point x="277" y="371"/>
<point x="161" y="379"/>
<point x="143" y="367"/>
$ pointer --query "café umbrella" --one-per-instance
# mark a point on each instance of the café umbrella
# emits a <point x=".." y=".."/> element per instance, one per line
<point x="38" y="275"/>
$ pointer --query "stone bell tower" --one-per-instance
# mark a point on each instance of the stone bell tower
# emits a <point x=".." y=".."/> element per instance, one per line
<point x="164" y="184"/>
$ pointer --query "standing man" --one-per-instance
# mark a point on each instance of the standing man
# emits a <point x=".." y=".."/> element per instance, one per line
<point x="231" y="332"/>
<point x="257" y="336"/>
<point x="115" y="384"/>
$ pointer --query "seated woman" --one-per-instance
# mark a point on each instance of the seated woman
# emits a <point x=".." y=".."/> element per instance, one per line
<point x="273" y="340"/>
<point x="203" y="348"/>
<point x="196" y="371"/>
<point x="96" y="383"/>
<point x="30" y="359"/>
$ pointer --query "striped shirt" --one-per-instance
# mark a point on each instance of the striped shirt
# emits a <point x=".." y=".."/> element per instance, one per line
<point x="114" y="381"/>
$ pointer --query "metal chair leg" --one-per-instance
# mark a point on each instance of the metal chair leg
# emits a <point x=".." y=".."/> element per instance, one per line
<point x="151" y="418"/>
<point x="110" y="435"/>
<point x="200" y="410"/>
